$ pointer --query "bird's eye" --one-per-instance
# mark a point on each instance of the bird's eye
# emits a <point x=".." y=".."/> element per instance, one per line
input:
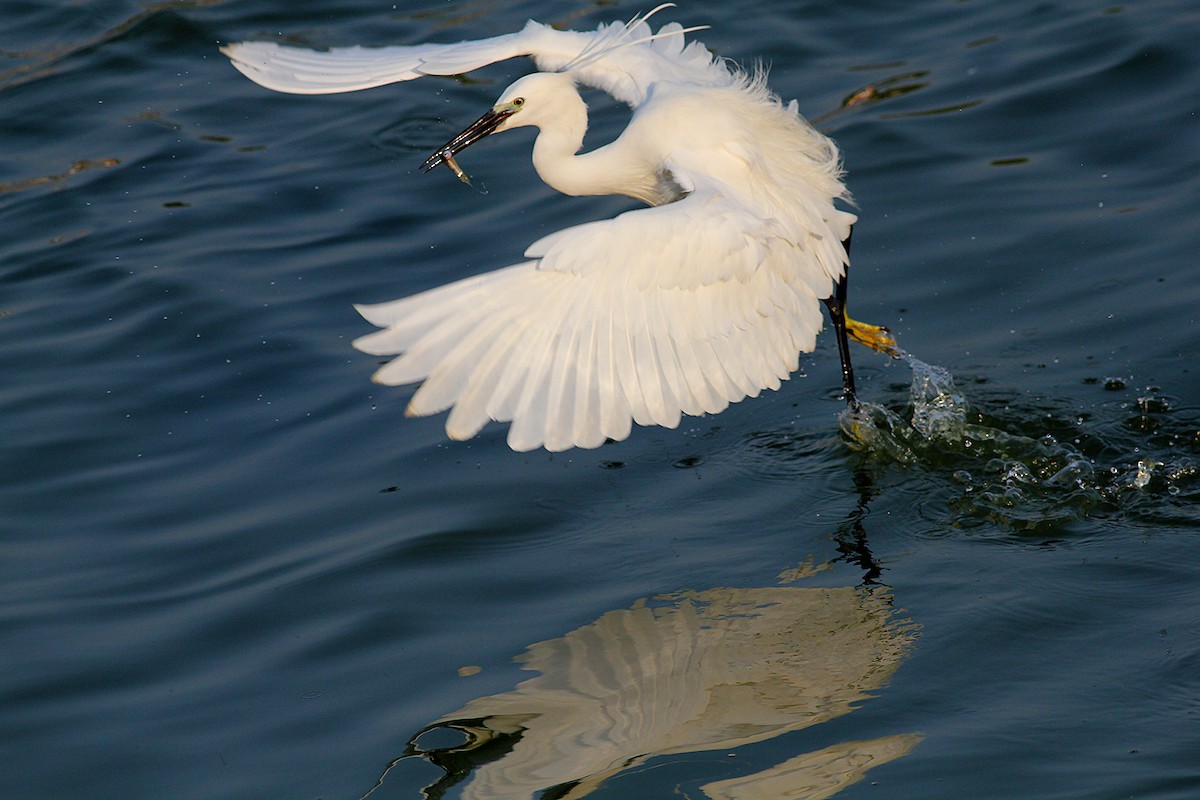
<point x="518" y="102"/>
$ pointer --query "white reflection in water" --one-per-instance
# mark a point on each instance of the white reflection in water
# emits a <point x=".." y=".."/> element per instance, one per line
<point x="683" y="673"/>
<point x="813" y="776"/>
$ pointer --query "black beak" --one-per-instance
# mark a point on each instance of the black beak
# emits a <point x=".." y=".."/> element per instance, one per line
<point x="475" y="131"/>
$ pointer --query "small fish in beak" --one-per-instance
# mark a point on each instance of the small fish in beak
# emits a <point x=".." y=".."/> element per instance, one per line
<point x="448" y="160"/>
<point x="473" y="133"/>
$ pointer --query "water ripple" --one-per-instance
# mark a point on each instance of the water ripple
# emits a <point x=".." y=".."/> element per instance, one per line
<point x="1015" y="472"/>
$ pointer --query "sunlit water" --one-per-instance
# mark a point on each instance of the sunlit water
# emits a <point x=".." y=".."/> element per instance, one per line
<point x="231" y="568"/>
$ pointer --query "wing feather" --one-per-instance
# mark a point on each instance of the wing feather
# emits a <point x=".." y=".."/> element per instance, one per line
<point x="715" y="374"/>
<point x="526" y="431"/>
<point x="583" y="419"/>
<point x="448" y="378"/>
<point x="679" y="396"/>
<point x="681" y="315"/>
<point x="526" y="302"/>
<point x="623" y="60"/>
<point x="348" y="69"/>
<point x="577" y="344"/>
<point x="645" y="362"/>
<point x="616" y="416"/>
<point x="561" y="400"/>
<point x="626" y="356"/>
<point x="470" y="412"/>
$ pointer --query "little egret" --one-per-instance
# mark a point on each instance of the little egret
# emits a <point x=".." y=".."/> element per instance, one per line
<point x="701" y="300"/>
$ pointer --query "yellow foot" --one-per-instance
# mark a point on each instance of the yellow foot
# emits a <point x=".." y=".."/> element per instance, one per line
<point x="875" y="337"/>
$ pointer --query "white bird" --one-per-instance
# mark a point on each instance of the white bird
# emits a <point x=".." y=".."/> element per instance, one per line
<point x="701" y="300"/>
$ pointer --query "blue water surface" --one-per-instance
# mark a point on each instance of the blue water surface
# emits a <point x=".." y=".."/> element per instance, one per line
<point x="231" y="568"/>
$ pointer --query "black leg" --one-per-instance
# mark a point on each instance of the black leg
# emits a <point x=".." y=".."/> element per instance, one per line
<point x="837" y="314"/>
<point x="851" y="538"/>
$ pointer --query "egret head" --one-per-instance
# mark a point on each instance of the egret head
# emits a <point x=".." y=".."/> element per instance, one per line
<point x="531" y="100"/>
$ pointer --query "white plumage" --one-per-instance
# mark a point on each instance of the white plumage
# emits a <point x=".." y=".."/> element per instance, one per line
<point x="701" y="300"/>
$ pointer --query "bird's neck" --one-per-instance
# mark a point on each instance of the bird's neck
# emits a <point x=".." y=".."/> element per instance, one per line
<point x="605" y="170"/>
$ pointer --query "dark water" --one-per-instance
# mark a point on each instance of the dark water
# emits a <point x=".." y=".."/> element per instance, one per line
<point x="230" y="567"/>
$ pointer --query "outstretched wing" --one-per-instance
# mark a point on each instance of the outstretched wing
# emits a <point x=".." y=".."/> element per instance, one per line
<point x="622" y="59"/>
<point x="347" y="69"/>
<point x="676" y="309"/>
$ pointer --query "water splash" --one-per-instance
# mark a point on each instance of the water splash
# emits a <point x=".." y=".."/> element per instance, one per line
<point x="1006" y="472"/>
